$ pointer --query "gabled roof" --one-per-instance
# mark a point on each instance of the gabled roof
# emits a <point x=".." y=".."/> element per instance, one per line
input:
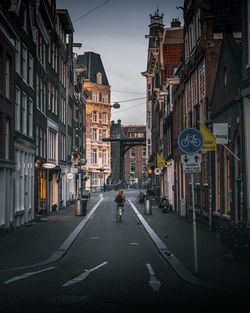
<point x="92" y="61"/>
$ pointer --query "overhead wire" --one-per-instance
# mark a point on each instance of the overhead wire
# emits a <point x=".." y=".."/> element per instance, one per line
<point x="130" y="100"/>
<point x="92" y="10"/>
<point x="131" y="93"/>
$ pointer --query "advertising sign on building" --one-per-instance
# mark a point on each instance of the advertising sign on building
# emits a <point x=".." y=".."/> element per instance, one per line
<point x="220" y="131"/>
<point x="209" y="139"/>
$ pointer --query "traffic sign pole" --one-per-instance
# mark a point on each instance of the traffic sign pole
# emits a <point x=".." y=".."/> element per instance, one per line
<point x="191" y="141"/>
<point x="194" y="228"/>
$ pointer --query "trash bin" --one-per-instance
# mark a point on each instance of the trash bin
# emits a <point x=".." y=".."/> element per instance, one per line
<point x="84" y="206"/>
<point x="148" y="206"/>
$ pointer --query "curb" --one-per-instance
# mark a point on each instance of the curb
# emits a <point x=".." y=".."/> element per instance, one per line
<point x="179" y="268"/>
<point x="64" y="247"/>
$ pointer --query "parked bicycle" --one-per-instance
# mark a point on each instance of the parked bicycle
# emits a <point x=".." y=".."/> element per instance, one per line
<point x="165" y="205"/>
<point x="141" y="197"/>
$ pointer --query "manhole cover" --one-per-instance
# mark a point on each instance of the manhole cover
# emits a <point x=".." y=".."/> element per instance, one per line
<point x="65" y="299"/>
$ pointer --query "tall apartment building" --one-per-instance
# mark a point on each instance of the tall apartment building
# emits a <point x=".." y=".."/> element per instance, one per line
<point x="7" y="109"/>
<point x="164" y="53"/>
<point x="42" y="112"/>
<point x="98" y="111"/>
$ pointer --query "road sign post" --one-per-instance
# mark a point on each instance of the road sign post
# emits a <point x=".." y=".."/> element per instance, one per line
<point x="194" y="227"/>
<point x="191" y="141"/>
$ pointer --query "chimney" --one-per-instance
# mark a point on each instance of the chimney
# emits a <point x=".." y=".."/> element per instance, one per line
<point x="175" y="22"/>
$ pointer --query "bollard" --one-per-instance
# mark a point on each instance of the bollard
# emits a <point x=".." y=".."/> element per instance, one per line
<point x="148" y="206"/>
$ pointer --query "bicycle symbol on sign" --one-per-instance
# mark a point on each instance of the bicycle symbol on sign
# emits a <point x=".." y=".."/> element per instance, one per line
<point x="190" y="139"/>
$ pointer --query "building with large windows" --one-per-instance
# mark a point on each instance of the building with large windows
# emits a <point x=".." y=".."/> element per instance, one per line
<point x="98" y="111"/>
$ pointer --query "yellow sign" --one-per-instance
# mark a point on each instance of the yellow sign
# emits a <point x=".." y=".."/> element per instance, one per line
<point x="209" y="139"/>
<point x="160" y="161"/>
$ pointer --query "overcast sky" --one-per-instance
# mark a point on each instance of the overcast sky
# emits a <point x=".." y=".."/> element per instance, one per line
<point x="116" y="30"/>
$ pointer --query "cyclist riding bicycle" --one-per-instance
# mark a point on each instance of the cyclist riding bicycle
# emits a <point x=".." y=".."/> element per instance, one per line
<point x="120" y="200"/>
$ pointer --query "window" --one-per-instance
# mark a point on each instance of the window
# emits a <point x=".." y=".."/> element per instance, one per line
<point x="49" y="96"/>
<point x="194" y="88"/>
<point x="202" y="80"/>
<point x="24" y="64"/>
<point x="99" y="78"/>
<point x="18" y="56"/>
<point x="7" y="77"/>
<point x="192" y="36"/>
<point x="94" y="96"/>
<point x="104" y="120"/>
<point x="63" y="147"/>
<point x="44" y="98"/>
<point x="94" y="157"/>
<point x="94" y="117"/>
<point x="7" y="138"/>
<point x="41" y="142"/>
<point x="132" y="167"/>
<point x="144" y="152"/>
<point x="24" y="113"/>
<point x="94" y="179"/>
<point x="104" y="159"/>
<point x="30" y="117"/>
<point x="248" y="30"/>
<point x="132" y="152"/>
<point x="37" y="92"/>
<point x="52" y="145"/>
<point x="37" y="140"/>
<point x="25" y="17"/>
<point x="41" y="95"/>
<point x="94" y="134"/>
<point x="103" y="133"/>
<point x="18" y="109"/>
<point x="149" y="119"/>
<point x="104" y="98"/>
<point x="31" y="71"/>
<point x="225" y="77"/>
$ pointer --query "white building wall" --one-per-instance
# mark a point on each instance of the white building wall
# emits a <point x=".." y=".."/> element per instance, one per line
<point x="247" y="150"/>
<point x="24" y="185"/>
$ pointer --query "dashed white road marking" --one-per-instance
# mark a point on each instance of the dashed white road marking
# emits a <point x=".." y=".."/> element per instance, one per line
<point x="94" y="238"/>
<point x="153" y="281"/>
<point x="134" y="243"/>
<point x="26" y="275"/>
<point x="83" y="276"/>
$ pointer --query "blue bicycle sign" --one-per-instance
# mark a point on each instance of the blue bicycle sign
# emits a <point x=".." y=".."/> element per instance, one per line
<point x="190" y="140"/>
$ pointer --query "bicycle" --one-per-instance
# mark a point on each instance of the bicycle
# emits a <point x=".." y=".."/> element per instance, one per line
<point x="120" y="207"/>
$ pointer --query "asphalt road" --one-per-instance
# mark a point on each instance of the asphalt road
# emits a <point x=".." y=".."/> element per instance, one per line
<point x="111" y="267"/>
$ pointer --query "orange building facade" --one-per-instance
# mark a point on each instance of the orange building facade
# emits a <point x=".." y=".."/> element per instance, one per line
<point x="98" y="112"/>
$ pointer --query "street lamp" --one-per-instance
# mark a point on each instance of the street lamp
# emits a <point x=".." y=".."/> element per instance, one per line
<point x="101" y="169"/>
<point x="116" y="105"/>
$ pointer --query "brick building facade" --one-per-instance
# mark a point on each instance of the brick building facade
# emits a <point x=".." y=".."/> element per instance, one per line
<point x="135" y="158"/>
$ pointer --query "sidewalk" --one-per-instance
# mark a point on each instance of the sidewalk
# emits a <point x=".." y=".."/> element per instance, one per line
<point x="177" y="234"/>
<point x="37" y="241"/>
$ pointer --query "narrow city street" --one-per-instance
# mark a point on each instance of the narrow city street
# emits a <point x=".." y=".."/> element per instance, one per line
<point x="111" y="266"/>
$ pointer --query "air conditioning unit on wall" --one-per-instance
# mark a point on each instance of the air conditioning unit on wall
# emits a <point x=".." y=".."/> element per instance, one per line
<point x="182" y="207"/>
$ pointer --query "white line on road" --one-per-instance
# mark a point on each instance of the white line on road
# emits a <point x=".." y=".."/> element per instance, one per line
<point x="153" y="281"/>
<point x="83" y="276"/>
<point x="26" y="275"/>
